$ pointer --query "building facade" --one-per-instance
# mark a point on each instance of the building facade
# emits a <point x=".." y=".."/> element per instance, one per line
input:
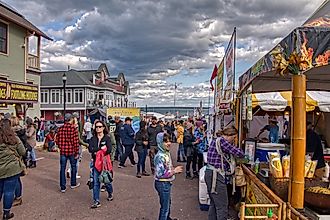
<point x="20" y="44"/>
<point x="87" y="92"/>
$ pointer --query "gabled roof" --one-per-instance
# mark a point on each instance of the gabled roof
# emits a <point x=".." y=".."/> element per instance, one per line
<point x="74" y="77"/>
<point x="12" y="15"/>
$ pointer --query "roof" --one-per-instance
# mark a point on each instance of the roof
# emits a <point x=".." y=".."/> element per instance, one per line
<point x="10" y="14"/>
<point x="74" y="77"/>
<point x="321" y="17"/>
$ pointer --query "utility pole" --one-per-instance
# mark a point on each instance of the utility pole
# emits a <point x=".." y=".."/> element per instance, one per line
<point x="175" y="101"/>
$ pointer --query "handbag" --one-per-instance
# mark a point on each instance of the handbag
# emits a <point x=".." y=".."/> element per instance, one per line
<point x="106" y="175"/>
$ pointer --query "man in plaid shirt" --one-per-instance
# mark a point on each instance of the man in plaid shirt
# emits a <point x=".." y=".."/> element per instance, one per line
<point x="68" y="142"/>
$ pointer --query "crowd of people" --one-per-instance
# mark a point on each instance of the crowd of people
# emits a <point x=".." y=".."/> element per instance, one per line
<point x="115" y="140"/>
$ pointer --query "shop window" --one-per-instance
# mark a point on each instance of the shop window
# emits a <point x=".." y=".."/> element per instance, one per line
<point x="44" y="96"/>
<point x="78" y="96"/>
<point x="55" y="96"/>
<point x="3" y="38"/>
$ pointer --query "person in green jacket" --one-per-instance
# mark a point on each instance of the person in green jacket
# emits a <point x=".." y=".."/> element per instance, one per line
<point x="112" y="127"/>
<point x="11" y="165"/>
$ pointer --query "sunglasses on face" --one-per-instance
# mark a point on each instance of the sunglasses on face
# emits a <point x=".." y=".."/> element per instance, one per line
<point x="99" y="127"/>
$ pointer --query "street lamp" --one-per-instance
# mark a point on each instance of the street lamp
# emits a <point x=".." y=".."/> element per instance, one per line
<point x="64" y="94"/>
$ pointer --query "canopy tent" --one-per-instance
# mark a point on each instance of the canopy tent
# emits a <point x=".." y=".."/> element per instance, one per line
<point x="279" y="101"/>
<point x="311" y="42"/>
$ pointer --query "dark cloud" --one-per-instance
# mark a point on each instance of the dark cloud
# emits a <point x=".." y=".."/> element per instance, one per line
<point x="153" y="40"/>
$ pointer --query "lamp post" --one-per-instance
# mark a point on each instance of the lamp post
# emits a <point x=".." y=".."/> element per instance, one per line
<point x="64" y="94"/>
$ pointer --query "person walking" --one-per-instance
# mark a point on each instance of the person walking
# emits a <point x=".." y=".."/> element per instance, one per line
<point x="180" y="131"/>
<point x="164" y="175"/>
<point x="141" y="147"/>
<point x="153" y="130"/>
<point x="31" y="140"/>
<point x="67" y="140"/>
<point x="88" y="129"/>
<point x="200" y="137"/>
<point x="100" y="143"/>
<point x="119" y="149"/>
<point x="127" y="138"/>
<point x="11" y="165"/>
<point x="189" y="144"/>
<point x="220" y="170"/>
<point x="112" y="128"/>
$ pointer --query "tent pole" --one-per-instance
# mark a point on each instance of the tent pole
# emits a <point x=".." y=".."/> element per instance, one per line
<point x="298" y="147"/>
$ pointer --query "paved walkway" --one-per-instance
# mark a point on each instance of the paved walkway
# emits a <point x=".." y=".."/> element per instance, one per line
<point x="133" y="198"/>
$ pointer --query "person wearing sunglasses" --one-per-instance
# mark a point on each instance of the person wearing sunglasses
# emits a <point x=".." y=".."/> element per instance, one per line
<point x="99" y="141"/>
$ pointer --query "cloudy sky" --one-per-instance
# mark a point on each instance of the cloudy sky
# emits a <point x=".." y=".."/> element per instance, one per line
<point x="160" y="43"/>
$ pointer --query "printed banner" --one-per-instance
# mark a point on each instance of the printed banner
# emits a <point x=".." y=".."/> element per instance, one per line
<point x="16" y="92"/>
<point x="230" y="68"/>
<point x="133" y="113"/>
<point x="219" y="84"/>
<point x="244" y="106"/>
<point x="249" y="113"/>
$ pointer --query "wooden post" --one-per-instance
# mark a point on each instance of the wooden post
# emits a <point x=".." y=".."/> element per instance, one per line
<point x="298" y="147"/>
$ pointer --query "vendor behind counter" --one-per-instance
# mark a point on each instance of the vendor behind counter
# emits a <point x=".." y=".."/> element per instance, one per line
<point x="314" y="148"/>
<point x="273" y="129"/>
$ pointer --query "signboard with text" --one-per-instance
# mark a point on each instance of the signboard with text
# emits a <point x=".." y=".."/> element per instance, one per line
<point x="133" y="113"/>
<point x="16" y="92"/>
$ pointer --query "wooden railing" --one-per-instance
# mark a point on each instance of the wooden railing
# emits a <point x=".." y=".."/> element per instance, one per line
<point x="33" y="62"/>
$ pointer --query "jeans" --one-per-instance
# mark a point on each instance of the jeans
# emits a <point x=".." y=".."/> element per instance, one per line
<point x="42" y="135"/>
<point x="152" y="153"/>
<point x="119" y="150"/>
<point x="219" y="200"/>
<point x="18" y="190"/>
<point x="73" y="163"/>
<point x="51" y="145"/>
<point x="96" y="188"/>
<point x="142" y="160"/>
<point x="181" y="152"/>
<point x="7" y="190"/>
<point x="188" y="165"/>
<point x="32" y="155"/>
<point x="78" y="161"/>
<point x="164" y="193"/>
<point x="127" y="153"/>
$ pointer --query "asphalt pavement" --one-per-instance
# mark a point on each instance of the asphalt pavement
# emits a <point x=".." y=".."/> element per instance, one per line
<point x="134" y="198"/>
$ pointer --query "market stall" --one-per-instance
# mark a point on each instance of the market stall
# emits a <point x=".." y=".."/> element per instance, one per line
<point x="299" y="63"/>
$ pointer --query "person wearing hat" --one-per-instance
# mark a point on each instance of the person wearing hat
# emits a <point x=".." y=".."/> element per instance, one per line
<point x="273" y="130"/>
<point x="127" y="136"/>
<point x="68" y="142"/>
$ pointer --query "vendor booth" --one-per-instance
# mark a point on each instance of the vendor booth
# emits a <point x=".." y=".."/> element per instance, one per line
<point x="292" y="79"/>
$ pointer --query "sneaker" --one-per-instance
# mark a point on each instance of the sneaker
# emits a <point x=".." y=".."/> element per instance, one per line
<point x="138" y="175"/>
<point x="67" y="174"/>
<point x="96" y="205"/>
<point x="144" y="173"/>
<point x="121" y="166"/>
<point x="63" y="190"/>
<point x="18" y="201"/>
<point x="8" y="215"/>
<point x="103" y="188"/>
<point x="78" y="177"/>
<point x="76" y="186"/>
<point x="110" y="198"/>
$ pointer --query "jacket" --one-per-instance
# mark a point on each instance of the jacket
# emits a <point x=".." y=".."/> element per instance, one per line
<point x="152" y="133"/>
<point x="31" y="136"/>
<point x="127" y="135"/>
<point x="164" y="170"/>
<point x="139" y="139"/>
<point x="11" y="163"/>
<point x="180" y="131"/>
<point x="117" y="131"/>
<point x="94" y="145"/>
<point x="188" y="140"/>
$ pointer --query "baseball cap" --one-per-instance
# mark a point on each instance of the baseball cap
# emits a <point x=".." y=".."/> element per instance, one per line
<point x="67" y="117"/>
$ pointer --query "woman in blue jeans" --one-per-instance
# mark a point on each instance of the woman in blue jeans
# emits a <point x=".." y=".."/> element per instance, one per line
<point x="99" y="141"/>
<point x="141" y="147"/>
<point x="11" y="165"/>
<point x="164" y="174"/>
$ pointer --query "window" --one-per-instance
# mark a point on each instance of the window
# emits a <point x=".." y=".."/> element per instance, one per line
<point x="44" y="96"/>
<point x="55" y="96"/>
<point x="88" y="95"/>
<point x="78" y="96"/>
<point x="3" y="38"/>
<point x="92" y="95"/>
<point x="68" y="93"/>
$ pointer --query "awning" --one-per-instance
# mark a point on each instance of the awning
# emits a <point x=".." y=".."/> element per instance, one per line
<point x="278" y="101"/>
<point x="98" y="110"/>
